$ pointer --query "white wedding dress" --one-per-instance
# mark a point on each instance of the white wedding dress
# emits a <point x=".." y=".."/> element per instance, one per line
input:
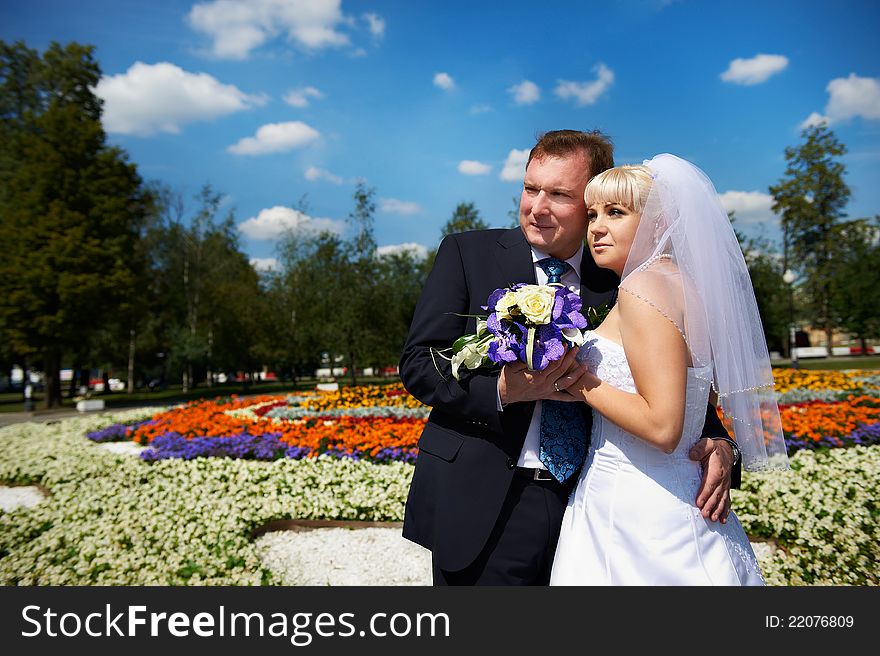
<point x="632" y="520"/>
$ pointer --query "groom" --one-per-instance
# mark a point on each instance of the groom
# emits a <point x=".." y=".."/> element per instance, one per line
<point x="481" y="499"/>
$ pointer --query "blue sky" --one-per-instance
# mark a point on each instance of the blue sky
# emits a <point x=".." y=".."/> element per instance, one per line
<point x="434" y="103"/>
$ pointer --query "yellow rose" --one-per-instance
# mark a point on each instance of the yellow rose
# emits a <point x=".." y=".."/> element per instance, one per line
<point x="502" y="307"/>
<point x="536" y="302"/>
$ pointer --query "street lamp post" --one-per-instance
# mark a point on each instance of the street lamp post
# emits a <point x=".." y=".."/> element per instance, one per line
<point x="789" y="278"/>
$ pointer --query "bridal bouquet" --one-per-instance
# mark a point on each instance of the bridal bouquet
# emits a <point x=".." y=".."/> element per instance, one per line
<point x="530" y="323"/>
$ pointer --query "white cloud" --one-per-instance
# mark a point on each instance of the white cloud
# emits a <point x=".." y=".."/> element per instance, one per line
<point x="395" y="206"/>
<point x="471" y="167"/>
<point x="750" y="206"/>
<point x="151" y="98"/>
<point x="376" y="24"/>
<point x="239" y="26"/>
<point x="853" y="96"/>
<point x="514" y="169"/>
<point x="300" y="97"/>
<point x="418" y="251"/>
<point x="525" y="93"/>
<point x="313" y="173"/>
<point x="755" y="70"/>
<point x="849" y="97"/>
<point x="276" y="138"/>
<point x="814" y="119"/>
<point x="273" y="222"/>
<point x="444" y="81"/>
<point x="586" y="93"/>
<point x="264" y="263"/>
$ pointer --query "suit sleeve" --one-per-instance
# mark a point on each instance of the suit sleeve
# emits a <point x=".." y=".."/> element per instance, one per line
<point x="436" y="325"/>
<point x="714" y="428"/>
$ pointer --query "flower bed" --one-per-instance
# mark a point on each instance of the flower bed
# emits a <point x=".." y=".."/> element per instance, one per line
<point x="376" y="423"/>
<point x="117" y="520"/>
<point x="177" y="517"/>
<point x="383" y="424"/>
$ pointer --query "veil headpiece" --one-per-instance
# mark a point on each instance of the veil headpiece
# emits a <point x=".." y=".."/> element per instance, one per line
<point x="686" y="261"/>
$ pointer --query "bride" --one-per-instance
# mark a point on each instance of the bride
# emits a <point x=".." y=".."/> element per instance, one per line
<point x="685" y="325"/>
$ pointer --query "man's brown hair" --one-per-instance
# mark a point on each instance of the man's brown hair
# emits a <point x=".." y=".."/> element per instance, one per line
<point x="597" y="148"/>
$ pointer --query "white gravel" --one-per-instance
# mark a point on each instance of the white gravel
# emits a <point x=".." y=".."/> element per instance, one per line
<point x="342" y="556"/>
<point x="23" y="496"/>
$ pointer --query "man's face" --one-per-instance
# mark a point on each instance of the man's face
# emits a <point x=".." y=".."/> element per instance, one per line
<point x="552" y="213"/>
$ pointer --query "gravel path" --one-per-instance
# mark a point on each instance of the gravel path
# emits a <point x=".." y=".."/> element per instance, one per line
<point x="342" y="556"/>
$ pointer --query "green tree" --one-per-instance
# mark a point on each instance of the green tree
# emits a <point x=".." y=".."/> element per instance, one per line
<point x="70" y="206"/>
<point x="359" y="329"/>
<point x="810" y="198"/>
<point x="206" y="289"/>
<point x="766" y="272"/>
<point x="856" y="298"/>
<point x="399" y="284"/>
<point x="464" y="217"/>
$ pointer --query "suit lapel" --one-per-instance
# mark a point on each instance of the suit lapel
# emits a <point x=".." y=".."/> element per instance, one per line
<point x="514" y="258"/>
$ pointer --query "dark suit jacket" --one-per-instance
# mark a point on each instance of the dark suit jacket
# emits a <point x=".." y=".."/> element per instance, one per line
<point x="468" y="450"/>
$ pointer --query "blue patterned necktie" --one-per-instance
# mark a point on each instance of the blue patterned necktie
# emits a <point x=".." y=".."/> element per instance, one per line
<point x="563" y="441"/>
<point x="554" y="268"/>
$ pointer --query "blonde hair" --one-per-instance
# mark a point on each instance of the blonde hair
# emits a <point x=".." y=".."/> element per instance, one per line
<point x="626" y="185"/>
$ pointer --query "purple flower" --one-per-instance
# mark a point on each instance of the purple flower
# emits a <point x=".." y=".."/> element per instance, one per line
<point x="244" y="446"/>
<point x="567" y="310"/>
<point x="494" y="297"/>
<point x="504" y="348"/>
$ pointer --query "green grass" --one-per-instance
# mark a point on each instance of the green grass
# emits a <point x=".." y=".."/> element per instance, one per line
<point x="834" y="364"/>
<point x="12" y="402"/>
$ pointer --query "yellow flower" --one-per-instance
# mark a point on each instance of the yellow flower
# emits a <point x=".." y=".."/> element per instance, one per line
<point x="536" y="302"/>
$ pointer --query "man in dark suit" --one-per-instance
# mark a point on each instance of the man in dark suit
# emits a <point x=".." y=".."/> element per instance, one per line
<point x="481" y="500"/>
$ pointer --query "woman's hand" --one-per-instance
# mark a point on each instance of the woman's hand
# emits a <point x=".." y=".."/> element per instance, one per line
<point x="576" y="380"/>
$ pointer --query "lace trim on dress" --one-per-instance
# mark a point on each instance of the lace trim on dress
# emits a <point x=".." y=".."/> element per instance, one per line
<point x="746" y="555"/>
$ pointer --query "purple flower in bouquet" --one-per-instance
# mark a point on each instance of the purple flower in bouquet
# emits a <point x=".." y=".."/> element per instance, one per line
<point x="535" y="322"/>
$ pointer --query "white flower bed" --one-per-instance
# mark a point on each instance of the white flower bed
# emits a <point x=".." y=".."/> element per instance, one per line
<point x="112" y="519"/>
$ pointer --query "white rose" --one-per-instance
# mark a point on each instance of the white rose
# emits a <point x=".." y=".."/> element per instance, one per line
<point x="502" y="307"/>
<point x="536" y="302"/>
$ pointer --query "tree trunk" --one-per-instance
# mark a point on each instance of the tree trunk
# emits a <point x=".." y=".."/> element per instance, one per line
<point x="864" y="343"/>
<point x="105" y="376"/>
<point x="351" y="360"/>
<point x="131" y="362"/>
<point x="209" y="376"/>
<point x="829" y="334"/>
<point x="52" y="381"/>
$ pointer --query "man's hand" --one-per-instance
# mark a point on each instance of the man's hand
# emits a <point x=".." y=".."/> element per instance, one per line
<point x="713" y="497"/>
<point x="519" y="383"/>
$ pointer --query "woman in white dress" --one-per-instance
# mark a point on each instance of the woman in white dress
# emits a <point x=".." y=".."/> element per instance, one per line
<point x="685" y="325"/>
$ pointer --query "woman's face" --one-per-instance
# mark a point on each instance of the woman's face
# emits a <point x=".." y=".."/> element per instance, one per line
<point x="611" y="229"/>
